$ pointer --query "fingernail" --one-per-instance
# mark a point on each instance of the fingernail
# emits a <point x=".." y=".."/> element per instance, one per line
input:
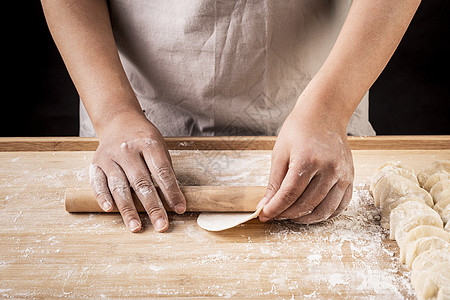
<point x="134" y="225"/>
<point x="160" y="224"/>
<point x="106" y="206"/>
<point x="180" y="208"/>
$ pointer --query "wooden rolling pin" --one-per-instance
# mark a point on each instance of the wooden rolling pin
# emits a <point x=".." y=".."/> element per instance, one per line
<point x="198" y="199"/>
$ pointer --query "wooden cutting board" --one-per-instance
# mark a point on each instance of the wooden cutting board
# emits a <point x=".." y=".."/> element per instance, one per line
<point x="46" y="252"/>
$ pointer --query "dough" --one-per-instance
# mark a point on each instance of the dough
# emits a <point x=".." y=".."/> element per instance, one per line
<point x="428" y="283"/>
<point x="443" y="209"/>
<point x="444" y="293"/>
<point x="408" y="212"/>
<point x="442" y="196"/>
<point x="415" y="217"/>
<point x="417" y="193"/>
<point x="392" y="203"/>
<point x="418" y="233"/>
<point x="407" y="225"/>
<point x="435" y="178"/>
<point x="430" y="258"/>
<point x="396" y="187"/>
<point x="223" y="221"/>
<point x="421" y="245"/>
<point x="435" y="167"/>
<point x="439" y="188"/>
<point x="391" y="168"/>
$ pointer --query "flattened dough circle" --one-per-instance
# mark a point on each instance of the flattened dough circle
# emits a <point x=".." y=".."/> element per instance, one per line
<point x="223" y="221"/>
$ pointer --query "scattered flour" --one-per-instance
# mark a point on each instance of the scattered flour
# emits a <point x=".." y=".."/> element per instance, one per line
<point x="340" y="257"/>
<point x="314" y="259"/>
<point x="155" y="268"/>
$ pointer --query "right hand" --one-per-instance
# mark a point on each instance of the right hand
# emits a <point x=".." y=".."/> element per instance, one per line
<point x="131" y="148"/>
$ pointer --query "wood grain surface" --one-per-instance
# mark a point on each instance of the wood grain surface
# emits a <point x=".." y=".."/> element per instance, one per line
<point x="46" y="252"/>
<point x="422" y="142"/>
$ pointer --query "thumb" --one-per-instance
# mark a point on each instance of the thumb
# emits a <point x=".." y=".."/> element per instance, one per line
<point x="278" y="170"/>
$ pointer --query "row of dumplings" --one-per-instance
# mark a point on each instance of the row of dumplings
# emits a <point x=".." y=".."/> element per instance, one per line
<point x="416" y="210"/>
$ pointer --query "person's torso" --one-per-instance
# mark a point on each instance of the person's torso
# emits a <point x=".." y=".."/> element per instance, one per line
<point x="221" y="67"/>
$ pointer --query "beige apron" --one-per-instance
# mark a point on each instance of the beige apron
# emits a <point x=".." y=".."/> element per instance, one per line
<point x="222" y="67"/>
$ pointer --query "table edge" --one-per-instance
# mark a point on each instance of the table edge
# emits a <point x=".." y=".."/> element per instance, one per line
<point x="388" y="142"/>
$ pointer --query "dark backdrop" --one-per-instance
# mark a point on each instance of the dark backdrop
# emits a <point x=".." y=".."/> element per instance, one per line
<point x="412" y="95"/>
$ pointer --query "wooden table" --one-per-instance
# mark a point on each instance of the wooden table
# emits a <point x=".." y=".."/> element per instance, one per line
<point x="46" y="252"/>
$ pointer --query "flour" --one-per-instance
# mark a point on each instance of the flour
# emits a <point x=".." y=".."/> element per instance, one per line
<point x="349" y="255"/>
<point x="358" y="230"/>
<point x="269" y="251"/>
<point x="314" y="259"/>
<point x="184" y="144"/>
<point x="335" y="279"/>
<point x="371" y="269"/>
<point x="155" y="268"/>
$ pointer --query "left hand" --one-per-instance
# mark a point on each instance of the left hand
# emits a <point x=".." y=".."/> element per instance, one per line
<point x="311" y="176"/>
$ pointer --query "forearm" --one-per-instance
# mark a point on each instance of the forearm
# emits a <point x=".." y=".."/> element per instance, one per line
<point x="369" y="37"/>
<point x="82" y="32"/>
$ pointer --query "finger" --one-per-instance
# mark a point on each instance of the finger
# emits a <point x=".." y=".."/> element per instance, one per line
<point x="141" y="182"/>
<point x="278" y="170"/>
<point x="326" y="208"/>
<point x="290" y="190"/>
<point x="345" y="201"/>
<point x="99" y="185"/>
<point x="312" y="196"/>
<point x="120" y="190"/>
<point x="161" y="169"/>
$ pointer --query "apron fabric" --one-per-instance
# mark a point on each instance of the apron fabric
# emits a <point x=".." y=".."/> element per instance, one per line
<point x="222" y="67"/>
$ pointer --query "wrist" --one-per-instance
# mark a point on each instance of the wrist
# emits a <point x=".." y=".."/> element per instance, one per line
<point x="325" y="104"/>
<point x="118" y="118"/>
<point x="317" y="113"/>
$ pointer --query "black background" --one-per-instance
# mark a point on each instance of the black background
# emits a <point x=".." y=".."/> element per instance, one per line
<point x="412" y="95"/>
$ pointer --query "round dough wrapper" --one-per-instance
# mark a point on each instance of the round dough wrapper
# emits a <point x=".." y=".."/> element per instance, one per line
<point x="407" y="225"/>
<point x="447" y="227"/>
<point x="443" y="209"/>
<point x="426" y="198"/>
<point x="435" y="178"/>
<point x="446" y="215"/>
<point x="442" y="187"/>
<point x="386" y="210"/>
<point x="395" y="163"/>
<point x="435" y="167"/>
<point x="428" y="259"/>
<point x="427" y="283"/>
<point x="444" y="293"/>
<point x="391" y="168"/>
<point x="396" y="187"/>
<point x="222" y="221"/>
<point x="418" y="233"/>
<point x="442" y="196"/>
<point x="421" y="245"/>
<point x="408" y="210"/>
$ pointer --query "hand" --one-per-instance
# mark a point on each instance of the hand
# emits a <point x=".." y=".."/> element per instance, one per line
<point x="311" y="176"/>
<point x="131" y="149"/>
